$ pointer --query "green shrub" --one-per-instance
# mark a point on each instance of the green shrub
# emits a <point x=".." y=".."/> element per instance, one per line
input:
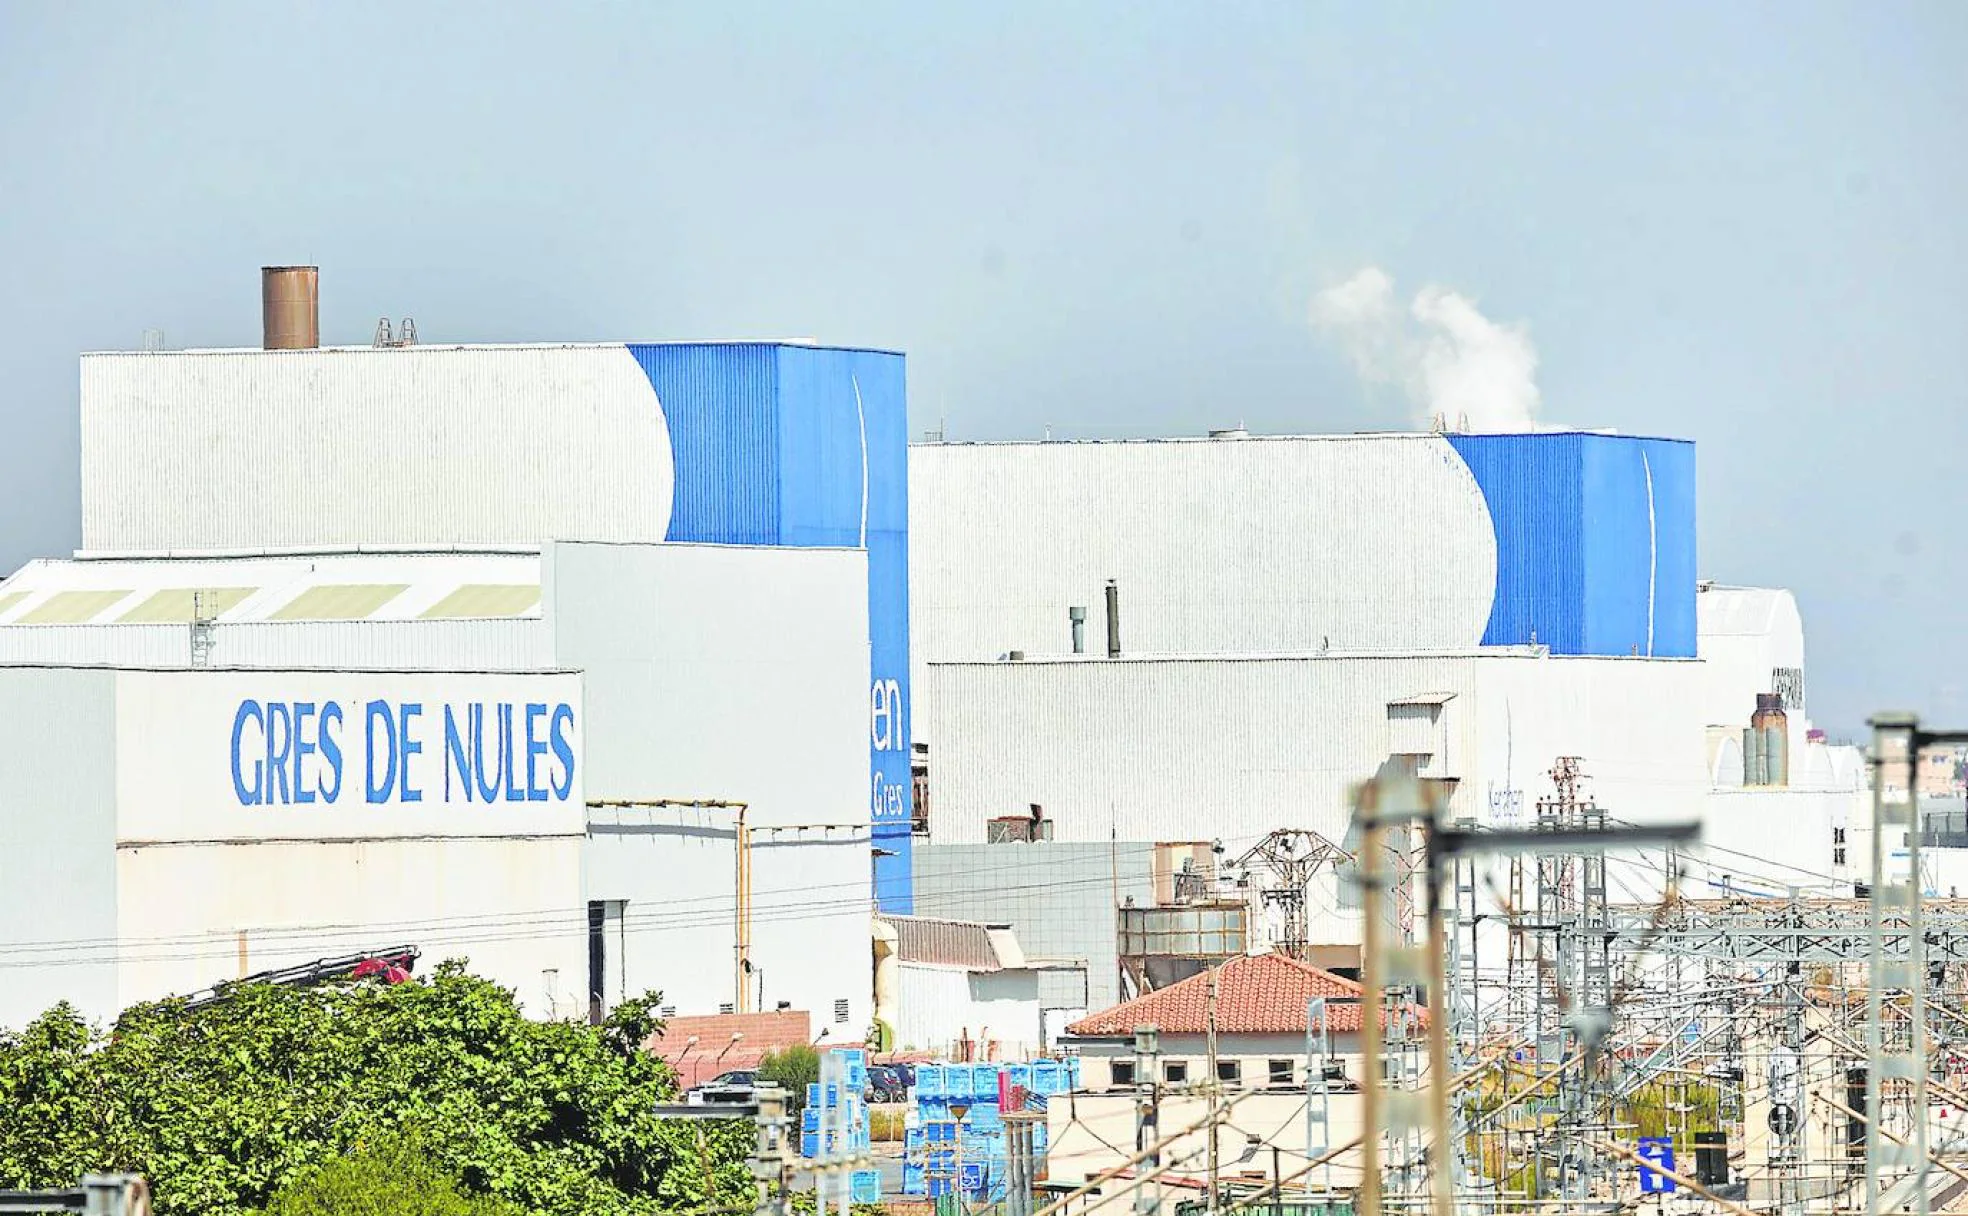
<point x="792" y="1068"/>
<point x="388" y="1178"/>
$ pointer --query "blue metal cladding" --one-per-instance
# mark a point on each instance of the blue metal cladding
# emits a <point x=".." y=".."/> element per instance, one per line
<point x="1595" y="541"/>
<point x="808" y="446"/>
<point x="1639" y="582"/>
<point x="1532" y="487"/>
<point x="722" y="406"/>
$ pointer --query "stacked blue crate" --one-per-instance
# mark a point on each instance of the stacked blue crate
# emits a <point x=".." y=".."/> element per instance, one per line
<point x="852" y="1133"/>
<point x="930" y="1149"/>
<point x="864" y="1186"/>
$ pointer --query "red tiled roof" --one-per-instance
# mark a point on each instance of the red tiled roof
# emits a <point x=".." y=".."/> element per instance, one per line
<point x="1255" y="994"/>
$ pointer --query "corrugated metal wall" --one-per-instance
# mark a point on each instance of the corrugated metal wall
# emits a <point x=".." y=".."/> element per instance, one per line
<point x="941" y="1007"/>
<point x="428" y="445"/>
<point x="1228" y="546"/>
<point x="58" y="824"/>
<point x="1531" y="483"/>
<point x="1595" y="541"/>
<point x="516" y="644"/>
<point x="1058" y="897"/>
<point x="1234" y="748"/>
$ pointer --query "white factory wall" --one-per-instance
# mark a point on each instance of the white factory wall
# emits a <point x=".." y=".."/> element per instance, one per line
<point x="343" y="455"/>
<point x="184" y="815"/>
<point x="675" y="866"/>
<point x="1258" y="544"/>
<point x="942" y="1007"/>
<point x="58" y="830"/>
<point x="1632" y="723"/>
<point x="1744" y="635"/>
<point x="735" y="674"/>
<point x="811" y="924"/>
<point x="1763" y="841"/>
<point x="511" y="907"/>
<point x="1231" y="748"/>
<point x="360" y="828"/>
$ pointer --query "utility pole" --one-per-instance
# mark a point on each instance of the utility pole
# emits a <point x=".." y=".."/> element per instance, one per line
<point x="1215" y="1084"/>
<point x="1897" y="1051"/>
<point x="1148" y="1117"/>
<point x="1787" y="1088"/>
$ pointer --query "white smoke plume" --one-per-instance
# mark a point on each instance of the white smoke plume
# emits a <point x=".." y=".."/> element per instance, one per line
<point x="1459" y="368"/>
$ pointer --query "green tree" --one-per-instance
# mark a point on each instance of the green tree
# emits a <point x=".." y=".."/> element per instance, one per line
<point x="223" y="1105"/>
<point x="792" y="1068"/>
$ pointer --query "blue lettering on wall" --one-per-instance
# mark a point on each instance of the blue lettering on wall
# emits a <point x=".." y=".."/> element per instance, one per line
<point x="292" y="753"/>
<point x="379" y="761"/>
<point x="331" y="751"/>
<point x="407" y="746"/>
<point x="536" y="749"/>
<point x="254" y="794"/>
<point x="304" y="746"/>
<point x="487" y="790"/>
<point x="279" y="738"/>
<point x="563" y="749"/>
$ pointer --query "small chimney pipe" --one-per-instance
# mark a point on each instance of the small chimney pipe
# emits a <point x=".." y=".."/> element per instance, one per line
<point x="1077" y="616"/>
<point x="290" y="307"/>
<point x="1113" y="620"/>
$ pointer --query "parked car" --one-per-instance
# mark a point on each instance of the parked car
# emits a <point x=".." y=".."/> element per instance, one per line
<point x="885" y="1084"/>
<point x="737" y="1086"/>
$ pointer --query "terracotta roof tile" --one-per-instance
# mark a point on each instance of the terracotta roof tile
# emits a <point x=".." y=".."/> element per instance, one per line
<point x="1255" y="994"/>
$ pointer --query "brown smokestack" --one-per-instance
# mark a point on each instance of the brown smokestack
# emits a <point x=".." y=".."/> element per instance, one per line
<point x="290" y="307"/>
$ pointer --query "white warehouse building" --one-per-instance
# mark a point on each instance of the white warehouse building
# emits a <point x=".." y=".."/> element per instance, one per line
<point x="653" y="590"/>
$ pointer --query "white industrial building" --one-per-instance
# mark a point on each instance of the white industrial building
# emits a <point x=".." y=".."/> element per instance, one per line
<point x="1295" y="611"/>
<point x="698" y="550"/>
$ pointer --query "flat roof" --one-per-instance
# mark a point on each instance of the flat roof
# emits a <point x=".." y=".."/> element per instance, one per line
<point x="1295" y="656"/>
<point x="800" y="343"/>
<point x="1324" y="437"/>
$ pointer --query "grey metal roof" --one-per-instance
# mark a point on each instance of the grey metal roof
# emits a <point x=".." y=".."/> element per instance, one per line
<point x="946" y="943"/>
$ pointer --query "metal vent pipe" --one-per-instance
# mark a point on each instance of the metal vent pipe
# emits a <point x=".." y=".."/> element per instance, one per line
<point x="1077" y="616"/>
<point x="1113" y="620"/>
<point x="290" y="307"/>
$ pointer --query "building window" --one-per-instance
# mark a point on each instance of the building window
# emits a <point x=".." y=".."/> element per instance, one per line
<point x="1230" y="1072"/>
<point x="840" y="1012"/>
<point x="666" y="1011"/>
<point x="1122" y="1072"/>
<point x="725" y="1008"/>
<point x="1282" y="1074"/>
<point x="1838" y="857"/>
<point x="1838" y="835"/>
<point x="1176" y="1072"/>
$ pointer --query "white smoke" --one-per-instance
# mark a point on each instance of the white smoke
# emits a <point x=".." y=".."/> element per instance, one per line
<point x="1459" y="368"/>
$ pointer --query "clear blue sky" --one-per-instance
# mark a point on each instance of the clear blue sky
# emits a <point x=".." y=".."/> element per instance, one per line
<point x="1737" y="223"/>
